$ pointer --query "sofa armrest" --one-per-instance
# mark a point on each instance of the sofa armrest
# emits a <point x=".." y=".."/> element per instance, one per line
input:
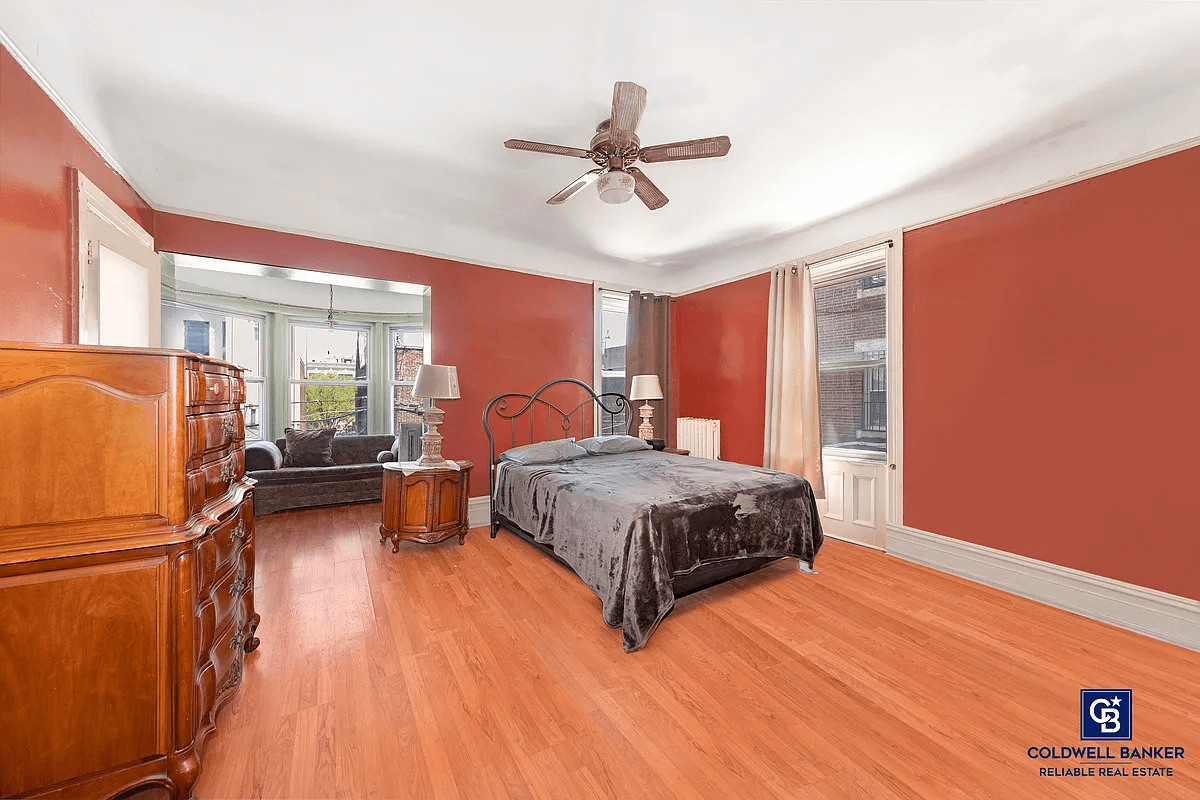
<point x="262" y="455"/>
<point x="385" y="456"/>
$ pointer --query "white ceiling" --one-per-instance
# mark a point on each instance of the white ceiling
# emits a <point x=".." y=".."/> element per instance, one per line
<point x="382" y="122"/>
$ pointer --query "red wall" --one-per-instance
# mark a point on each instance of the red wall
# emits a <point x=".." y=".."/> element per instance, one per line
<point x="38" y="147"/>
<point x="1051" y="384"/>
<point x="720" y="362"/>
<point x="505" y="331"/>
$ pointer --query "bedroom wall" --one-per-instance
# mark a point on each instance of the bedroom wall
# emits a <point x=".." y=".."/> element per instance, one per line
<point x="505" y="331"/>
<point x="38" y="148"/>
<point x="1050" y="351"/>
<point x="1050" y="371"/>
<point x="720" y="362"/>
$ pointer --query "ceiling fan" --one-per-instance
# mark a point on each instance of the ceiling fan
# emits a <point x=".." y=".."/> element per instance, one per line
<point x="615" y="148"/>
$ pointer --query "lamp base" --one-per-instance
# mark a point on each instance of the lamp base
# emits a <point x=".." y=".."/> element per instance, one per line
<point x="646" y="429"/>
<point x="431" y="442"/>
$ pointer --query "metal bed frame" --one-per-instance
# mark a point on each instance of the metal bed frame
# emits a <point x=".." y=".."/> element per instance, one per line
<point x="561" y="422"/>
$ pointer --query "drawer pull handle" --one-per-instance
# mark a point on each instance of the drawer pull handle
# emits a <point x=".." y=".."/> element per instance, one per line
<point x="239" y="583"/>
<point x="238" y="531"/>
<point x="229" y="426"/>
<point x="228" y="471"/>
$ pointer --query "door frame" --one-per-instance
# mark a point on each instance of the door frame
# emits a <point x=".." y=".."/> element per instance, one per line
<point x="100" y="221"/>
<point x="841" y="262"/>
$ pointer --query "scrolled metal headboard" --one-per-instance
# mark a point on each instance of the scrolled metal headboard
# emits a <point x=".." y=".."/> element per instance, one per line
<point x="559" y="423"/>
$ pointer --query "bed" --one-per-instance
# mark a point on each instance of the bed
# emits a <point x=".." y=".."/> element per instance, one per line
<point x="639" y="528"/>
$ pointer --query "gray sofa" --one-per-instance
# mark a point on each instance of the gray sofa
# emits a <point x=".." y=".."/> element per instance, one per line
<point x="356" y="477"/>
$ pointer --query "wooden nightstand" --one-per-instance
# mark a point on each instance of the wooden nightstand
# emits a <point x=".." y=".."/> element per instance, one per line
<point x="427" y="506"/>
<point x="677" y="451"/>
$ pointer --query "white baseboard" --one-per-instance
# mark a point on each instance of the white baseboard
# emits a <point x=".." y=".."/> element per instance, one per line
<point x="479" y="511"/>
<point x="1147" y="611"/>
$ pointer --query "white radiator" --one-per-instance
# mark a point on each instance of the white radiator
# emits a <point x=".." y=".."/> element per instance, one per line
<point x="701" y="437"/>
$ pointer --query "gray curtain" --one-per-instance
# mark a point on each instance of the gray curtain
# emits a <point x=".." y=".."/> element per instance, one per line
<point x="648" y="352"/>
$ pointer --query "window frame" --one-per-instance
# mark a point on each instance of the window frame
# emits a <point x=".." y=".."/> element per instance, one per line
<point x="315" y="323"/>
<point x="601" y="296"/>
<point x="856" y="268"/>
<point x="393" y="382"/>
<point x="260" y="377"/>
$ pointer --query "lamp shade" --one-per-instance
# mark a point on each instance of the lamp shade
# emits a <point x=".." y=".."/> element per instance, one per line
<point x="645" y="387"/>
<point x="437" y="382"/>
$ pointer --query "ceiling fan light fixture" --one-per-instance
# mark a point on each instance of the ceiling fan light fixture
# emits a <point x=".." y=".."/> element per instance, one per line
<point x="615" y="186"/>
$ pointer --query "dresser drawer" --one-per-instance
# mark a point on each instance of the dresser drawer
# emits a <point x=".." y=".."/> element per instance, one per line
<point x="216" y="389"/>
<point x="231" y="534"/>
<point x="222" y="669"/>
<point x="226" y="593"/>
<point x="216" y="551"/>
<point x="220" y="431"/>
<point x="210" y="385"/>
<point x="219" y="474"/>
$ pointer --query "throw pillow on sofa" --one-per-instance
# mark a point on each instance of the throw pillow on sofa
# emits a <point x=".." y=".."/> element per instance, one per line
<point x="308" y="448"/>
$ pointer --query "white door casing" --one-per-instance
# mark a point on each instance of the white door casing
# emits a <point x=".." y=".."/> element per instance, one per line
<point x="119" y="273"/>
<point x="863" y="494"/>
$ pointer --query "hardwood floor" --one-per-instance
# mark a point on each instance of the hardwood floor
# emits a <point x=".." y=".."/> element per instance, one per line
<point x="485" y="671"/>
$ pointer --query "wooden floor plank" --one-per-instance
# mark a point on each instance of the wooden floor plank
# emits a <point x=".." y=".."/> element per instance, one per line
<point x="486" y="671"/>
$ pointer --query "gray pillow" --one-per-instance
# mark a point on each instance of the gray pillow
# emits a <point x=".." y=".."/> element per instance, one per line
<point x="607" y="445"/>
<point x="308" y="448"/>
<point x="544" y="453"/>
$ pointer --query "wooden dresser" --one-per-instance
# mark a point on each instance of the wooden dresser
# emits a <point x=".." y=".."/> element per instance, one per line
<point x="126" y="566"/>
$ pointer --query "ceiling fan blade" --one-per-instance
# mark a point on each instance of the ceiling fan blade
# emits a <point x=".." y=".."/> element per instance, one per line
<point x="629" y="101"/>
<point x="712" y="147"/>
<point x="646" y="191"/>
<point x="582" y="182"/>
<point x="552" y="149"/>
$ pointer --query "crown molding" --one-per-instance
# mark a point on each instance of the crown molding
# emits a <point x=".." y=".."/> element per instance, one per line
<point x="1057" y="183"/>
<point x="183" y="212"/>
<point x="71" y="116"/>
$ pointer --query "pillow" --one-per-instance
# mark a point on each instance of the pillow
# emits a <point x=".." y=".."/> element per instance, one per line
<point x="544" y="452"/>
<point x="308" y="448"/>
<point x="607" y="445"/>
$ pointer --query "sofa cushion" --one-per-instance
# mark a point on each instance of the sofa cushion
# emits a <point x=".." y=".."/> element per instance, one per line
<point x="262" y="455"/>
<point x="360" y="448"/>
<point x="338" y="472"/>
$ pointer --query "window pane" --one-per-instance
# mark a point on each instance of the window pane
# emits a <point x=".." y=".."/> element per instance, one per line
<point x="406" y="407"/>
<point x="408" y="353"/>
<point x="252" y="410"/>
<point x="314" y="405"/>
<point x="323" y="353"/>
<point x="852" y="341"/>
<point x="614" y="314"/>
<point x="243" y="344"/>
<point x="196" y="336"/>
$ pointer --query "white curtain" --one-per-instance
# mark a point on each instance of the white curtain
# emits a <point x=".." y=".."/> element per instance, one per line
<point x="793" y="433"/>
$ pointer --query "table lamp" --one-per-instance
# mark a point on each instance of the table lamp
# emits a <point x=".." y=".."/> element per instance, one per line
<point x="646" y="387"/>
<point x="434" y="382"/>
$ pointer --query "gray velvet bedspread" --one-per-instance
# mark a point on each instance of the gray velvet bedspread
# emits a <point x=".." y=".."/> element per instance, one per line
<point x="628" y="523"/>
